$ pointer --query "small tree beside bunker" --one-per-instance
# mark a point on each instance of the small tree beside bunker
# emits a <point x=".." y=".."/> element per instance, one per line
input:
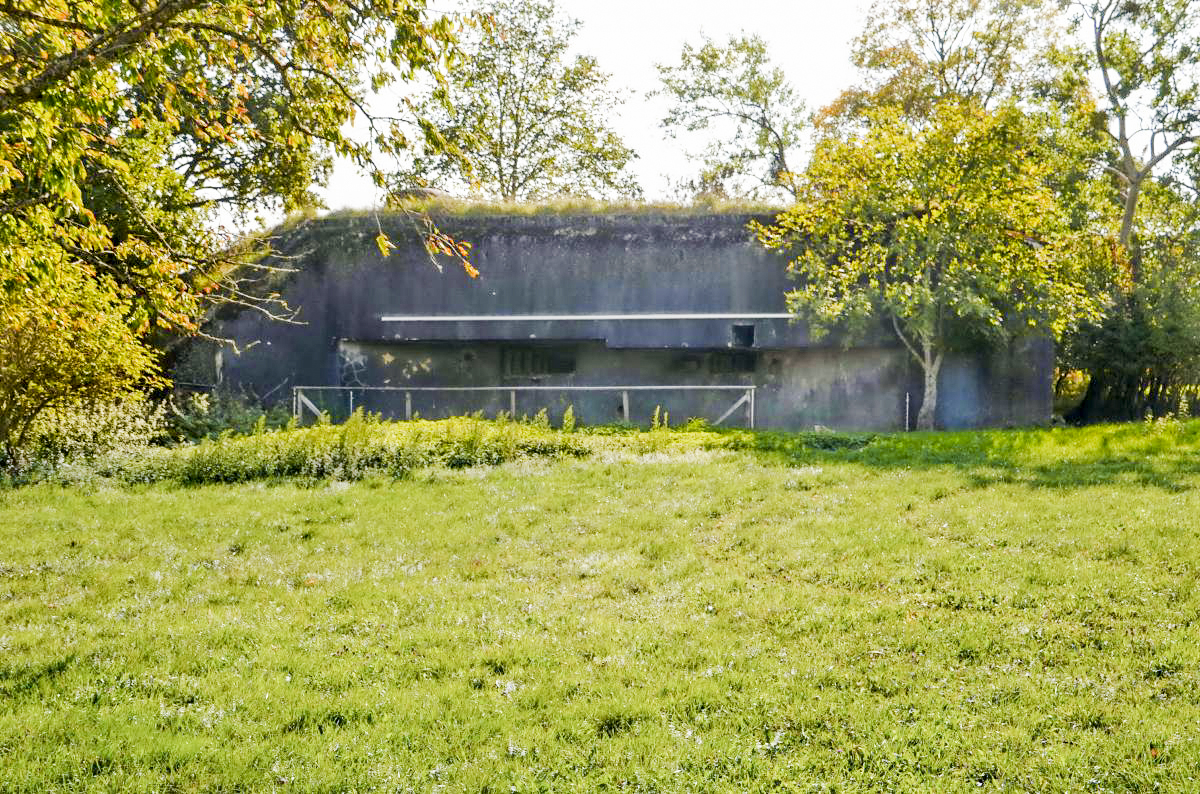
<point x="946" y="232"/>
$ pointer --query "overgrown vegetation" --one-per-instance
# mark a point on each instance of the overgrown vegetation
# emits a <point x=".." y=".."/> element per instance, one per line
<point x="365" y="446"/>
<point x="64" y="342"/>
<point x="76" y="437"/>
<point x="68" y="437"/>
<point x="1143" y="355"/>
<point x="200" y="416"/>
<point x="361" y="446"/>
<point x="677" y="611"/>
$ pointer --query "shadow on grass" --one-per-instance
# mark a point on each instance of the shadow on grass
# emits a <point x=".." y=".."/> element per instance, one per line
<point x="18" y="681"/>
<point x="1163" y="455"/>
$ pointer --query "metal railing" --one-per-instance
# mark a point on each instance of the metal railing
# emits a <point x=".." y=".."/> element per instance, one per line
<point x="300" y="403"/>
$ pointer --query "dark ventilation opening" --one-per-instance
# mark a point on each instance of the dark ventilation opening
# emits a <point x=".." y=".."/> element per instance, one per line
<point x="535" y="361"/>
<point x="743" y="335"/>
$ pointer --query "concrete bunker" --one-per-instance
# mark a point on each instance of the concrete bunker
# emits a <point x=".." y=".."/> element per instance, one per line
<point x="611" y="313"/>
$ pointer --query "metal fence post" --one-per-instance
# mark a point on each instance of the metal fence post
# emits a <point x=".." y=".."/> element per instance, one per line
<point x="408" y="405"/>
<point x="751" y="394"/>
<point x="625" y="406"/>
<point x="512" y="403"/>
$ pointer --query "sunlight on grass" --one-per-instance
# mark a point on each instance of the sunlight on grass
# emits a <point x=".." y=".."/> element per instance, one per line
<point x="681" y="612"/>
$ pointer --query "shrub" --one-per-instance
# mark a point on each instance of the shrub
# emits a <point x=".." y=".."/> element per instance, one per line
<point x="361" y="446"/>
<point x="64" y="342"/>
<point x="202" y="416"/>
<point x="75" y="435"/>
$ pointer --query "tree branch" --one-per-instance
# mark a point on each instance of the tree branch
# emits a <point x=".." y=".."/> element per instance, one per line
<point x="101" y="51"/>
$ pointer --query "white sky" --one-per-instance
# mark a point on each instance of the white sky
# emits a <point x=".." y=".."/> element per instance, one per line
<point x="809" y="39"/>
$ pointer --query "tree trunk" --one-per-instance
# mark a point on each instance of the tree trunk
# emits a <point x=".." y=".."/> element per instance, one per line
<point x="932" y="365"/>
<point x="1130" y="211"/>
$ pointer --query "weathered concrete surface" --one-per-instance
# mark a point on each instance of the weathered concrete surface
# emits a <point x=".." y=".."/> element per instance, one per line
<point x="795" y="388"/>
<point x="583" y="265"/>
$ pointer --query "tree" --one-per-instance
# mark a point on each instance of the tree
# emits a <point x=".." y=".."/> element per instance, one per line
<point x="1145" y="59"/>
<point x="758" y="118"/>
<point x="125" y="126"/>
<point x="63" y="340"/>
<point x="917" y="53"/>
<point x="516" y="119"/>
<point x="1144" y="353"/>
<point x="244" y="100"/>
<point x="945" y="231"/>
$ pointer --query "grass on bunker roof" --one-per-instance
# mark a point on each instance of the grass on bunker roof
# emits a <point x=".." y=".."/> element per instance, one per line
<point x="999" y="610"/>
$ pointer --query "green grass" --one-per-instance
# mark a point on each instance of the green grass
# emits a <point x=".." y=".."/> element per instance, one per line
<point x="669" y="612"/>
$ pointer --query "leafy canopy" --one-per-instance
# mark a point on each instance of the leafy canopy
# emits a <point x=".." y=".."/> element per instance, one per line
<point x="63" y="340"/>
<point x="517" y="119"/>
<point x="915" y="54"/>
<point x="123" y="125"/>
<point x="126" y="126"/>
<point x="758" y="118"/>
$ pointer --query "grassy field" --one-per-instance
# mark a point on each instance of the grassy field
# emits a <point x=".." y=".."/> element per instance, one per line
<point x="680" y="612"/>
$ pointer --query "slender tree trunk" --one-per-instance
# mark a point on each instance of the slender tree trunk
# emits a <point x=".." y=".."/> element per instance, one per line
<point x="1130" y="211"/>
<point x="932" y="365"/>
<point x="1129" y="238"/>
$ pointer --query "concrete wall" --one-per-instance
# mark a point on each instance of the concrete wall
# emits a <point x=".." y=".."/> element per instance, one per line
<point x="861" y="388"/>
<point x="587" y="264"/>
<point x="1005" y="388"/>
<point x="795" y="388"/>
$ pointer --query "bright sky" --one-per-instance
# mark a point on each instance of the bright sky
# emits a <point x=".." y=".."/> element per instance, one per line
<point x="809" y="39"/>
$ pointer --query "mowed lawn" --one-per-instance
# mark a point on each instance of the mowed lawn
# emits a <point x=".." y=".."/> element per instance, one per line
<point x="1006" y="611"/>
